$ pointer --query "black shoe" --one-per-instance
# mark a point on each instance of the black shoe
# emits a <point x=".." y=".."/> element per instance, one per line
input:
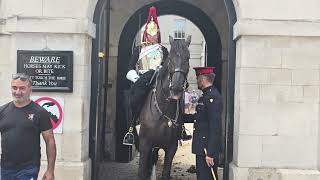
<point x="128" y="139"/>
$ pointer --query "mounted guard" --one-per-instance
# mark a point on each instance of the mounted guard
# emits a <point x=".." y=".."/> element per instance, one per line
<point x="144" y="64"/>
<point x="146" y="59"/>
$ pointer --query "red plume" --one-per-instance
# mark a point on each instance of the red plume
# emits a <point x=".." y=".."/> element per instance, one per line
<point x="152" y="13"/>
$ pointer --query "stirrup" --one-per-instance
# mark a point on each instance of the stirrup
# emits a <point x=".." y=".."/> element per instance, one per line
<point x="128" y="139"/>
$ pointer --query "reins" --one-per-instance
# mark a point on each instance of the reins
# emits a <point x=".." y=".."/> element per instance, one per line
<point x="171" y="122"/>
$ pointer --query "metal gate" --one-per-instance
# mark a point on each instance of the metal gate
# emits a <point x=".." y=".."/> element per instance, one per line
<point x="99" y="85"/>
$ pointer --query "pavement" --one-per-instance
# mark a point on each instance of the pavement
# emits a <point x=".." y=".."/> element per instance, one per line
<point x="119" y="171"/>
<point x="129" y="171"/>
<point x="182" y="161"/>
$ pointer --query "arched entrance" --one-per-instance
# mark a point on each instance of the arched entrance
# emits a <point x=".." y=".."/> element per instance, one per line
<point x="126" y="42"/>
<point x="217" y="43"/>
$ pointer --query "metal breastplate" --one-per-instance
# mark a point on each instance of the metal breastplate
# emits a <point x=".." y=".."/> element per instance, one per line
<point x="150" y="57"/>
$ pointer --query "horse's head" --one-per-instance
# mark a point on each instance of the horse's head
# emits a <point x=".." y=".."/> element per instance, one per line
<point x="178" y="66"/>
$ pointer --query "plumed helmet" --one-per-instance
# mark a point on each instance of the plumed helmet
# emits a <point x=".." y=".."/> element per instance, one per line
<point x="152" y="25"/>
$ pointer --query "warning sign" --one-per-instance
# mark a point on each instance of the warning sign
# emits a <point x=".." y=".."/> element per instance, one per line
<point x="55" y="106"/>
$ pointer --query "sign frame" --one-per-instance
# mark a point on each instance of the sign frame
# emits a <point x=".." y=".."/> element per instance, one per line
<point x="67" y="82"/>
<point x="59" y="102"/>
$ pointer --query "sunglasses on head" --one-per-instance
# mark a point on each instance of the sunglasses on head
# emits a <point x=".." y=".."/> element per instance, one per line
<point x="21" y="76"/>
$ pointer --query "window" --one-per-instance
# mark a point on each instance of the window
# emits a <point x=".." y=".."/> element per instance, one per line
<point x="180" y="26"/>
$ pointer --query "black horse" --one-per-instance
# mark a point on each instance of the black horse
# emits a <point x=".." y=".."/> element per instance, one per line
<point x="160" y="116"/>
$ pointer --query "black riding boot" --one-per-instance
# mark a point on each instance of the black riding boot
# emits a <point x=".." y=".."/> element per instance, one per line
<point x="184" y="135"/>
<point x="138" y="93"/>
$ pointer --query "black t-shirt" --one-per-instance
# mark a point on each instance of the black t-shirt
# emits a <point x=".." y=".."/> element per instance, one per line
<point x="20" y="134"/>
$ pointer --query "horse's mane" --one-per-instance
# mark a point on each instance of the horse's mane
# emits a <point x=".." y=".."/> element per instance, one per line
<point x="179" y="46"/>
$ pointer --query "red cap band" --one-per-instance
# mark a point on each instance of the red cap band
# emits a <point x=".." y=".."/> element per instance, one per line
<point x="204" y="70"/>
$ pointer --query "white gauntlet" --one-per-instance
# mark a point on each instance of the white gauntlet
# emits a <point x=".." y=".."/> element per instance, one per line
<point x="132" y="76"/>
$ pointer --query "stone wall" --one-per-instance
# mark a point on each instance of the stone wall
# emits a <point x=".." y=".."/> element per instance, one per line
<point x="277" y="90"/>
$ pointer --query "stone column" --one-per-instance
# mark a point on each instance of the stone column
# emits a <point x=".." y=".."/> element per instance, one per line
<point x="277" y="91"/>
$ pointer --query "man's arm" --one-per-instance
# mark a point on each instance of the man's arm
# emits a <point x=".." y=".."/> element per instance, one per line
<point x="51" y="153"/>
<point x="214" y="109"/>
<point x="2" y="108"/>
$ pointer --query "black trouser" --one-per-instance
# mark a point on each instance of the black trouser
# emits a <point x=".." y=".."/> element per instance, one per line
<point x="203" y="171"/>
<point x="139" y="91"/>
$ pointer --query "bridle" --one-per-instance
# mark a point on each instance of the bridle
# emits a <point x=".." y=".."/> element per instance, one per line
<point x="171" y="122"/>
<point x="177" y="70"/>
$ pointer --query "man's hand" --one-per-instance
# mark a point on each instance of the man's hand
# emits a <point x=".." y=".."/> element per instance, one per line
<point x="51" y="154"/>
<point x="132" y="76"/>
<point x="210" y="161"/>
<point x="48" y="175"/>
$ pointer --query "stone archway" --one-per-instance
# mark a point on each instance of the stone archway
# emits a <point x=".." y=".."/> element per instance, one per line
<point x="214" y="18"/>
<point x="128" y="35"/>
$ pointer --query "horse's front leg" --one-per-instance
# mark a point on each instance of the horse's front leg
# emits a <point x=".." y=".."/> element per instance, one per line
<point x="145" y="152"/>
<point x="169" y="154"/>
